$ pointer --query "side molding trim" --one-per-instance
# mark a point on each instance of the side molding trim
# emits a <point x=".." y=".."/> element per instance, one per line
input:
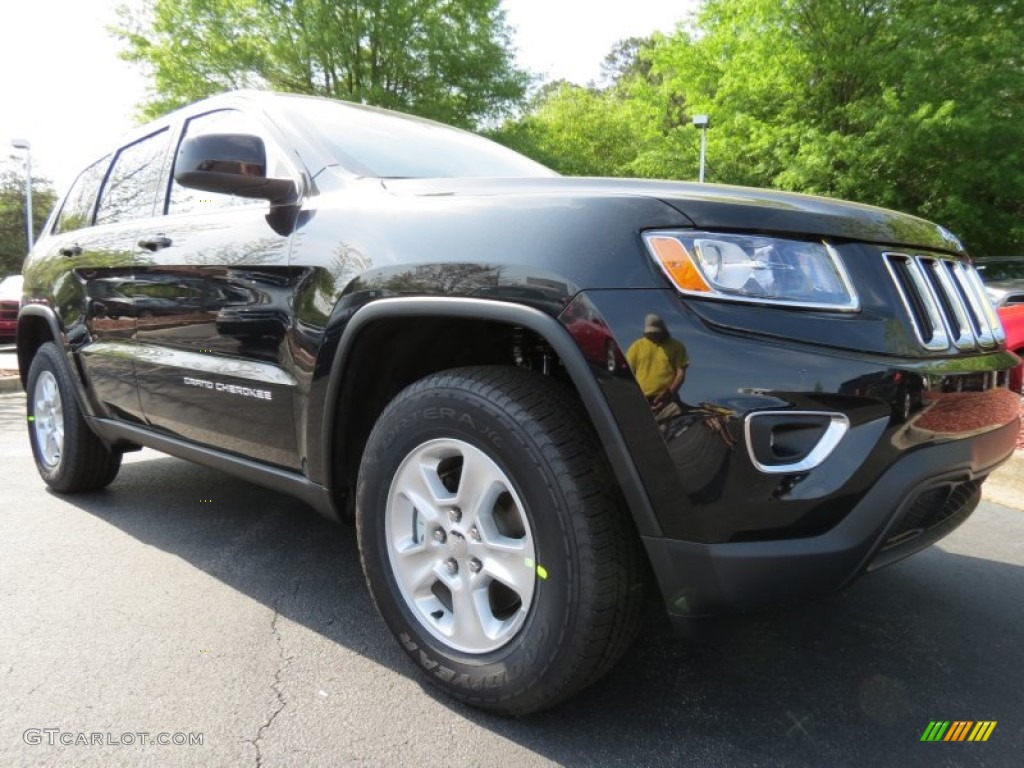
<point x="268" y="476"/>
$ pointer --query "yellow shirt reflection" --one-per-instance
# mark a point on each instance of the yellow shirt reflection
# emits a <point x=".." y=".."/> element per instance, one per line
<point x="655" y="363"/>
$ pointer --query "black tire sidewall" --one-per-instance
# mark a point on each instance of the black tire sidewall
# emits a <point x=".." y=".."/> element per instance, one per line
<point x="46" y="360"/>
<point x="543" y="639"/>
<point x="86" y="463"/>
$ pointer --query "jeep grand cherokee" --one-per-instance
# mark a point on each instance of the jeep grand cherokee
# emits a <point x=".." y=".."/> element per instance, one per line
<point x="409" y="326"/>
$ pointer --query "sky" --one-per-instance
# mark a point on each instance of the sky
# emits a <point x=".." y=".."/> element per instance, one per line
<point x="64" y="89"/>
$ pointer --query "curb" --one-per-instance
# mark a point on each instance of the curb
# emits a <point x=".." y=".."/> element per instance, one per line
<point x="1005" y="486"/>
<point x="10" y="384"/>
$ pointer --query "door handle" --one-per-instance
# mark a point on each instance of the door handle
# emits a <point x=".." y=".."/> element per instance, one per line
<point x="71" y="250"/>
<point x="155" y="243"/>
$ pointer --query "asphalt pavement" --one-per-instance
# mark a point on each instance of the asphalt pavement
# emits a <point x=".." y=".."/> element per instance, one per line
<point x="184" y="603"/>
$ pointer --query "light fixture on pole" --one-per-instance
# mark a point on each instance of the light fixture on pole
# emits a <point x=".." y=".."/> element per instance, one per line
<point x="702" y="122"/>
<point x="24" y="144"/>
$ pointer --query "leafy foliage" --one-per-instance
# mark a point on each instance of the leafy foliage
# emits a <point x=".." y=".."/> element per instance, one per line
<point x="909" y="104"/>
<point x="448" y="60"/>
<point x="13" y="245"/>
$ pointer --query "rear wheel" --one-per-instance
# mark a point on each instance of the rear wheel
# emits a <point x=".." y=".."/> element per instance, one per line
<point x="69" y="456"/>
<point x="493" y="540"/>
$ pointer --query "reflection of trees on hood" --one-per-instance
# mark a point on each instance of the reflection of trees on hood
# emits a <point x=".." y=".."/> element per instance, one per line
<point x="446" y="279"/>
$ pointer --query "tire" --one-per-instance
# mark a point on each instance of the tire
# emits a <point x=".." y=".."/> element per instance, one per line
<point x="69" y="456"/>
<point x="533" y="588"/>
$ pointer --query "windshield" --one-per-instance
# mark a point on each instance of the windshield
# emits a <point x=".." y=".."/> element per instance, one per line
<point x="378" y="143"/>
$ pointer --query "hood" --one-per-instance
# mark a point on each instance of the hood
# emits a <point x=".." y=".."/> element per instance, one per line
<point x="717" y="207"/>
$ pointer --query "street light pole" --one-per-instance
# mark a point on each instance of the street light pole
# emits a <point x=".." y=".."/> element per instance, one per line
<point x="702" y="122"/>
<point x="24" y="144"/>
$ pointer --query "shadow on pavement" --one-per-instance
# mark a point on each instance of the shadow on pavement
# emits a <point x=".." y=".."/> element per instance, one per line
<point x="849" y="680"/>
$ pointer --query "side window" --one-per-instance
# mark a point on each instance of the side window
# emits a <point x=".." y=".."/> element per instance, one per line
<point x="78" y="206"/>
<point x="131" y="188"/>
<point x="185" y="200"/>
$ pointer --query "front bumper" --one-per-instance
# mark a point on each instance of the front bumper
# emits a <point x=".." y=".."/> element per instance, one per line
<point x="907" y="509"/>
<point x="734" y="536"/>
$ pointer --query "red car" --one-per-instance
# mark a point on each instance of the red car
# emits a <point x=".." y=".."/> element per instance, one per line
<point x="1013" y="322"/>
<point x="10" y="299"/>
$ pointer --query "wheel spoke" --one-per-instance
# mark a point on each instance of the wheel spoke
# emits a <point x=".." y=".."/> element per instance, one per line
<point x="417" y="566"/>
<point x="414" y="487"/>
<point x="481" y="484"/>
<point x="513" y="569"/>
<point x="474" y="624"/>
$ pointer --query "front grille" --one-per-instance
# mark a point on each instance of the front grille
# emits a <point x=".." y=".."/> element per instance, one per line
<point x="932" y="515"/>
<point x="945" y="302"/>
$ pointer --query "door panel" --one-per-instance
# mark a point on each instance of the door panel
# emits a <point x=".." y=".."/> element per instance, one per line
<point x="102" y="249"/>
<point x="95" y="307"/>
<point x="213" y="313"/>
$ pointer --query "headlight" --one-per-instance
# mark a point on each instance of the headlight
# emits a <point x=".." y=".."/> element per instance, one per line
<point x="752" y="268"/>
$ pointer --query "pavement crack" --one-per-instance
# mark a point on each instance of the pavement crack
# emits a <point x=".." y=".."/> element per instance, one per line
<point x="282" y="664"/>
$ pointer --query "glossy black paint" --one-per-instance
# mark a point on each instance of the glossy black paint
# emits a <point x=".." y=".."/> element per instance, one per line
<point x="714" y="579"/>
<point x="721" y="207"/>
<point x="266" y="338"/>
<point x="707" y="490"/>
<point x="214" y="309"/>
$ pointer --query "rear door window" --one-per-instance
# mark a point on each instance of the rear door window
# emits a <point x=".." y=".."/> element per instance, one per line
<point x="81" y="200"/>
<point x="132" y="186"/>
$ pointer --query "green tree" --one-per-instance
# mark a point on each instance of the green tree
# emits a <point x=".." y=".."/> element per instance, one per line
<point x="909" y="104"/>
<point x="579" y="132"/>
<point x="450" y="61"/>
<point x="13" y="245"/>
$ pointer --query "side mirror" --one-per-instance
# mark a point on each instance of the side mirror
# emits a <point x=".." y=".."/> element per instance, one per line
<point x="231" y="163"/>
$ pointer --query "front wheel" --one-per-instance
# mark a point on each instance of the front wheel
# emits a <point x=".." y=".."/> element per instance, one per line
<point x="494" y="543"/>
<point x="69" y="456"/>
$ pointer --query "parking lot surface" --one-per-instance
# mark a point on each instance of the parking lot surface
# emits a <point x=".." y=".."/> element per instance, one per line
<point x="181" y="601"/>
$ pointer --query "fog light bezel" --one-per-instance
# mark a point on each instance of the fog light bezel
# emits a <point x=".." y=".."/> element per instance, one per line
<point x="833" y="433"/>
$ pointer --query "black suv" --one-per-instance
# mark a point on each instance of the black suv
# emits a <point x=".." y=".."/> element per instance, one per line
<point x="528" y="391"/>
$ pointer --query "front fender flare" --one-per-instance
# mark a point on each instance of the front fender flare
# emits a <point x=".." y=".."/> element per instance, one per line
<point x="507" y="313"/>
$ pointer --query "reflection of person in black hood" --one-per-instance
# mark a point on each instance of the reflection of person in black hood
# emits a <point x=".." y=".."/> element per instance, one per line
<point x="659" y="364"/>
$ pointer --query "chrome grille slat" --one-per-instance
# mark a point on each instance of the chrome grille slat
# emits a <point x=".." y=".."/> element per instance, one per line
<point x="945" y="302"/>
<point x="977" y="301"/>
<point x="954" y="312"/>
<point x="986" y="306"/>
